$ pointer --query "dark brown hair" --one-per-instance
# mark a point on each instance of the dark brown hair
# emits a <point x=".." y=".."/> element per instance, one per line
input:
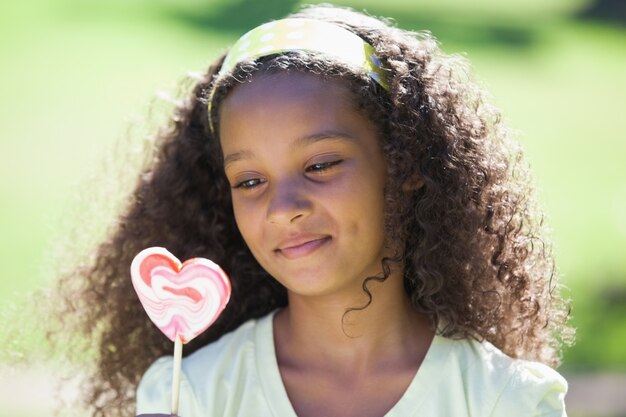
<point x="477" y="260"/>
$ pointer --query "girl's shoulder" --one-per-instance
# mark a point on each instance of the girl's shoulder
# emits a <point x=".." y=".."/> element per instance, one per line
<point x="509" y="385"/>
<point x="225" y="362"/>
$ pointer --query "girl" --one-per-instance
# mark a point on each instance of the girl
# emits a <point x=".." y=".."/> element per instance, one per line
<point x="378" y="227"/>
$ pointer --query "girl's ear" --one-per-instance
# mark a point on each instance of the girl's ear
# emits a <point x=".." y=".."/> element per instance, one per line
<point x="413" y="183"/>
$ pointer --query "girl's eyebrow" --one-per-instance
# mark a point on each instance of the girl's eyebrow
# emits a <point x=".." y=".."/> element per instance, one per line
<point x="237" y="156"/>
<point x="332" y="135"/>
<point x="327" y="135"/>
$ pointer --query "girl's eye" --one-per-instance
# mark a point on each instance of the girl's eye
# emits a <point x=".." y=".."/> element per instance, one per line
<point x="323" y="166"/>
<point x="248" y="184"/>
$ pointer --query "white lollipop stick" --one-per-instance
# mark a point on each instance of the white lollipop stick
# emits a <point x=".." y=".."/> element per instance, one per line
<point x="178" y="356"/>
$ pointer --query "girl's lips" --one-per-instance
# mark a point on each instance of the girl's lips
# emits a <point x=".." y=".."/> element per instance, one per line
<point x="299" y="249"/>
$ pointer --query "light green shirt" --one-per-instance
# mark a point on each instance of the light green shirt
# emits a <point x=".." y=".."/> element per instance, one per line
<point x="238" y="376"/>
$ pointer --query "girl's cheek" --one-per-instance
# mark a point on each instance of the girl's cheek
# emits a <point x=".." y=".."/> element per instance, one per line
<point x="238" y="212"/>
<point x="246" y="215"/>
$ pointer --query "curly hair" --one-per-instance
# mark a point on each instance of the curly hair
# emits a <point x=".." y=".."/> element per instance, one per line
<point x="476" y="258"/>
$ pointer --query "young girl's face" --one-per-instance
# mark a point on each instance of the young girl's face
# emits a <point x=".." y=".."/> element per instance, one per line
<point x="307" y="177"/>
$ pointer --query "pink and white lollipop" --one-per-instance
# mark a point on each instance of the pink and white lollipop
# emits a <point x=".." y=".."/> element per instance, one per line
<point x="181" y="299"/>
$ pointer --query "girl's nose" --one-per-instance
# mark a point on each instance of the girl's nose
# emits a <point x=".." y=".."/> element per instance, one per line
<point x="288" y="203"/>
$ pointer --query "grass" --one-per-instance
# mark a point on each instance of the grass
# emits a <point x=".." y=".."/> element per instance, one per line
<point x="75" y="75"/>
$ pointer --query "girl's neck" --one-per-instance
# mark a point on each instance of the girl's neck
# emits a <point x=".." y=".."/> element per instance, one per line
<point x="319" y="332"/>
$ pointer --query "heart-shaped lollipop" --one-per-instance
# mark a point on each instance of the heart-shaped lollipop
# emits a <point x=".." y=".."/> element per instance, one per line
<point x="182" y="299"/>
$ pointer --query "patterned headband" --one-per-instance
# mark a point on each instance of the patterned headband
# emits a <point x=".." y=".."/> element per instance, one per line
<point x="308" y="35"/>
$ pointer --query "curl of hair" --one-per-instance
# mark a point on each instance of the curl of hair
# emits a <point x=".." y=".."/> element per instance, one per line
<point x="476" y="258"/>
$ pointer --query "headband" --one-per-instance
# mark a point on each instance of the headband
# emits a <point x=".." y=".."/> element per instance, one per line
<point x="310" y="35"/>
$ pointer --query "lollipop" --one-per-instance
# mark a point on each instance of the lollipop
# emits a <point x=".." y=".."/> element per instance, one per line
<point x="181" y="299"/>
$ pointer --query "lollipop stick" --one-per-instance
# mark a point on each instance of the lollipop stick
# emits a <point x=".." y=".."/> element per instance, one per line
<point x="178" y="355"/>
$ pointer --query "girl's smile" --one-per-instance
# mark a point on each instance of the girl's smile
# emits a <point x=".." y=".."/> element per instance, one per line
<point x="307" y="177"/>
<point x="301" y="245"/>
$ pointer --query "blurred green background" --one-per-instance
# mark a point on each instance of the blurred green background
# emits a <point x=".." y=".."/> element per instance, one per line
<point x="75" y="74"/>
